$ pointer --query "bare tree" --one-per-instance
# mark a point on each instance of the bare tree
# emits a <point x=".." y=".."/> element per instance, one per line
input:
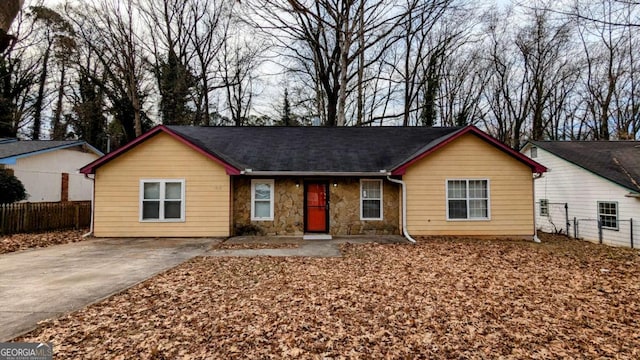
<point x="8" y="11"/>
<point x="108" y="30"/>
<point x="325" y="39"/>
<point x="529" y="66"/>
<point x="240" y="59"/>
<point x="54" y="31"/>
<point x="19" y="69"/>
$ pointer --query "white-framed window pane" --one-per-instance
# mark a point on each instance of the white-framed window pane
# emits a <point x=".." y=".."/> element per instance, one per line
<point x="468" y="199"/>
<point x="152" y="190"/>
<point x="371" y="209"/>
<point x="262" y="191"/>
<point x="544" y="207"/>
<point x="609" y="221"/>
<point x="457" y="189"/>
<point x="162" y="200"/>
<point x="150" y="210"/>
<point x="478" y="209"/>
<point x="262" y="198"/>
<point x="262" y="209"/>
<point x="371" y="189"/>
<point x="371" y="199"/>
<point x="457" y="209"/>
<point x="477" y="189"/>
<point x="173" y="190"/>
<point x="172" y="209"/>
<point x="608" y="214"/>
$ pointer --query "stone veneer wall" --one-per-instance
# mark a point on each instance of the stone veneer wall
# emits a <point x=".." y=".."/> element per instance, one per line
<point x="289" y="208"/>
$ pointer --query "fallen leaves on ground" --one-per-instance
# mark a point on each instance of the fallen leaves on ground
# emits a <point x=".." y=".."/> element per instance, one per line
<point x="16" y="242"/>
<point x="245" y="246"/>
<point x="442" y="298"/>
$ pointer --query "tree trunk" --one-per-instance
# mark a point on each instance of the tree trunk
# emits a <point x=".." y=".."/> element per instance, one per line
<point x="361" y="46"/>
<point x="37" y="112"/>
<point x="344" y="67"/>
<point x="59" y="131"/>
<point x="332" y="104"/>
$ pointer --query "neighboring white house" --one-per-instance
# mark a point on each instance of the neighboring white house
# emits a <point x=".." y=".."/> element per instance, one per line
<point x="598" y="180"/>
<point x="49" y="169"/>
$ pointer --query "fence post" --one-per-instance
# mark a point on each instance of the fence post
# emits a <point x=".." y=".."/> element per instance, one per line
<point x="77" y="208"/>
<point x="631" y="231"/>
<point x="2" y="211"/>
<point x="25" y="226"/>
<point x="575" y="228"/>
<point x="600" y="231"/>
<point x="566" y="216"/>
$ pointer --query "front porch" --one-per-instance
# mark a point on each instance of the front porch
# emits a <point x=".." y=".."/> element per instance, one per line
<point x="291" y="207"/>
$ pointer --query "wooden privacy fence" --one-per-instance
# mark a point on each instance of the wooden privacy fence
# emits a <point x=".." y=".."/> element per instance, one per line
<point x="34" y="217"/>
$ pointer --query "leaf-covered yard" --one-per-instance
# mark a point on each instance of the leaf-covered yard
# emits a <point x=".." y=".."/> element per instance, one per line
<point x="444" y="298"/>
<point x="17" y="242"/>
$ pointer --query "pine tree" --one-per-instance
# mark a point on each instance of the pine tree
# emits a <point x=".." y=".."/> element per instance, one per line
<point x="176" y="83"/>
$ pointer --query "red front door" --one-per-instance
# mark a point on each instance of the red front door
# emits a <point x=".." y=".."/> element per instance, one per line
<point x="316" y="207"/>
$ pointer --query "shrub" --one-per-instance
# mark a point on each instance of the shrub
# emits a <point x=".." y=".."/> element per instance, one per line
<point x="11" y="188"/>
<point x="248" y="229"/>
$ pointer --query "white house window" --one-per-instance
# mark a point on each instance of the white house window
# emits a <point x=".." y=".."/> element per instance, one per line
<point x="371" y="199"/>
<point x="608" y="214"/>
<point x="262" y="200"/>
<point x="467" y="199"/>
<point x="162" y="200"/>
<point x="544" y="207"/>
<point x="534" y="152"/>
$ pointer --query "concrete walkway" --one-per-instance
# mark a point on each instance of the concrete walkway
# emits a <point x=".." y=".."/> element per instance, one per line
<point x="45" y="283"/>
<point x="312" y="248"/>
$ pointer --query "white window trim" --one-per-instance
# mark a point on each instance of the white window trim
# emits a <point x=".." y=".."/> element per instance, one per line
<point x="617" y="228"/>
<point x="253" y="199"/>
<point x="379" y="181"/>
<point x="446" y="190"/>
<point x="162" y="182"/>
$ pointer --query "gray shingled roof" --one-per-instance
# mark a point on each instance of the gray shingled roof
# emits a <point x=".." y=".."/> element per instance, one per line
<point x="314" y="149"/>
<point x="15" y="148"/>
<point x="618" y="161"/>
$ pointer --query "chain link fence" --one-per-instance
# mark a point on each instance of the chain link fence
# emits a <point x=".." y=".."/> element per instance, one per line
<point x="557" y="218"/>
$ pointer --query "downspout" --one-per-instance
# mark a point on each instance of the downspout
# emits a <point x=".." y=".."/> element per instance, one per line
<point x="404" y="208"/>
<point x="536" y="239"/>
<point x="93" y="195"/>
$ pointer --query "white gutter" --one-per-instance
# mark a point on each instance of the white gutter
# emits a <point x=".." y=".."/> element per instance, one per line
<point x="311" y="173"/>
<point x="93" y="194"/>
<point x="404" y="208"/>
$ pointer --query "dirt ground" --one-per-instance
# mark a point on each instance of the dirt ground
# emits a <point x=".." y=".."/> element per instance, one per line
<point x="442" y="298"/>
<point x="17" y="242"/>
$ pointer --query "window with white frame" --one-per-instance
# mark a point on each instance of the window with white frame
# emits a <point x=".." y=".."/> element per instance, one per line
<point x="608" y="214"/>
<point x="162" y="200"/>
<point x="262" y="200"/>
<point x="371" y="199"/>
<point x="544" y="207"/>
<point x="467" y="199"/>
<point x="534" y="152"/>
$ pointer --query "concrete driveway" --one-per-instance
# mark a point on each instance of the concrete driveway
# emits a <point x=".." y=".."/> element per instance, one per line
<point x="44" y="283"/>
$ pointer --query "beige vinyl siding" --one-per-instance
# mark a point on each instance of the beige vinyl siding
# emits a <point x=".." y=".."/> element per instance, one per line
<point x="469" y="157"/>
<point x="117" y="186"/>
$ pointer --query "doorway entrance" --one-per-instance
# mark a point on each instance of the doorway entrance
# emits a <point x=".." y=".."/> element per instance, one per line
<point x="316" y="207"/>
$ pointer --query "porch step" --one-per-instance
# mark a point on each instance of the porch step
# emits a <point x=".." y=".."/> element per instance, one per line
<point x="317" y="237"/>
